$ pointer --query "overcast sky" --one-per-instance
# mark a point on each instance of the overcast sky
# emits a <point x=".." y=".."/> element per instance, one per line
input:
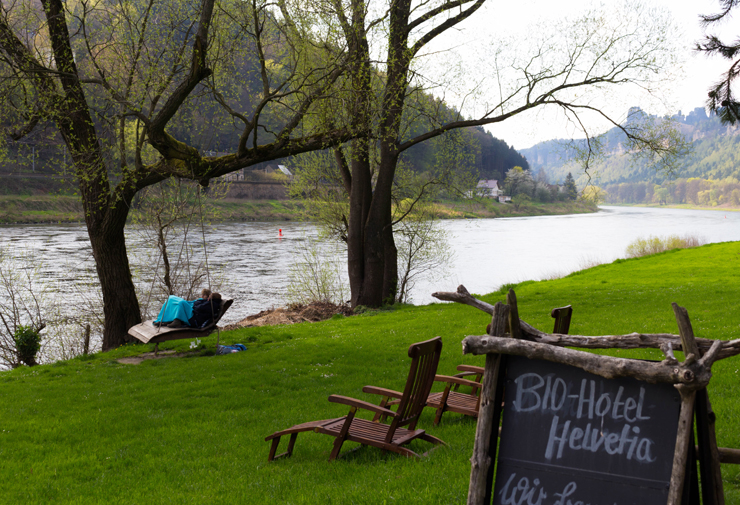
<point x="689" y="91"/>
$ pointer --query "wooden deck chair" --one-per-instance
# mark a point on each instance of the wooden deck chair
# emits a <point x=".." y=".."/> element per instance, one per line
<point x="390" y="437"/>
<point x="147" y="332"/>
<point x="453" y="400"/>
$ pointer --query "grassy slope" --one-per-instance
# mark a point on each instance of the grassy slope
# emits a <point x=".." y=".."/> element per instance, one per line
<point x="189" y="430"/>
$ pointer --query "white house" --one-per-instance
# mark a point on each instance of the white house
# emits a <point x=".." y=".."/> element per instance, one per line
<point x="488" y="188"/>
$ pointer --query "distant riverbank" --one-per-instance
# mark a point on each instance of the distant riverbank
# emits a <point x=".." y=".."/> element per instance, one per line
<point x="50" y="209"/>
<point x="687" y="206"/>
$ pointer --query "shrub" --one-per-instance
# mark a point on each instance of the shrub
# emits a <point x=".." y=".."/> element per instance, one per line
<point x="28" y="343"/>
<point x="315" y="275"/>
<point x="653" y="245"/>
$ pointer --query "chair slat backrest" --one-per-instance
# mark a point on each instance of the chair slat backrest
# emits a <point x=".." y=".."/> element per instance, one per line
<point x="562" y="317"/>
<point x="224" y="307"/>
<point x="424" y="360"/>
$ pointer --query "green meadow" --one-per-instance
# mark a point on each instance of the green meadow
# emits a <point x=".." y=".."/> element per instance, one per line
<point x="191" y="429"/>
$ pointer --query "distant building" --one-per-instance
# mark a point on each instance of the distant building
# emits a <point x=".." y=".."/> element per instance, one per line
<point x="488" y="188"/>
<point x="271" y="169"/>
<point x="285" y="170"/>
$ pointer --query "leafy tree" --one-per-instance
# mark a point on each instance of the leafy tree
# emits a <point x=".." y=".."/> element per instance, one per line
<point x="601" y="50"/>
<point x="661" y="195"/>
<point x="571" y="191"/>
<point x="519" y="181"/>
<point x="127" y="85"/>
<point x="594" y="194"/>
<point x="520" y="199"/>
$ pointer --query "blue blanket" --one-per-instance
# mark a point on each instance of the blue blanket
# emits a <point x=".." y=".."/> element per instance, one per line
<point x="175" y="308"/>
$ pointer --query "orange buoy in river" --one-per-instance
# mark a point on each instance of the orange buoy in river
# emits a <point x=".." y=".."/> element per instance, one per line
<point x="280" y="233"/>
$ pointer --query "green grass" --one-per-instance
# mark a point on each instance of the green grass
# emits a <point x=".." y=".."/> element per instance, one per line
<point x="191" y="430"/>
<point x="39" y="209"/>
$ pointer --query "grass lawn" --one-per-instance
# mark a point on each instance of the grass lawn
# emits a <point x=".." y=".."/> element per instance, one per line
<point x="191" y="430"/>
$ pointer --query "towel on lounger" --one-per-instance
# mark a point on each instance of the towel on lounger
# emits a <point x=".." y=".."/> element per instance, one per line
<point x="175" y="308"/>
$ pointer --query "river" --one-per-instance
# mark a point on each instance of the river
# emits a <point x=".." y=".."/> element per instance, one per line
<point x="254" y="262"/>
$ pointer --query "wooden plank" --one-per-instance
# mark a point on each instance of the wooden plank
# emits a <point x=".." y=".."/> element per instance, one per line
<point x="482" y="462"/>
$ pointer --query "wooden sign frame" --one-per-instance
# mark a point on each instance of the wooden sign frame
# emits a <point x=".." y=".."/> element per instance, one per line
<point x="690" y="378"/>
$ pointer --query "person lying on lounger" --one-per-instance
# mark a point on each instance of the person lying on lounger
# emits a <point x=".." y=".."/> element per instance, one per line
<point x="178" y="312"/>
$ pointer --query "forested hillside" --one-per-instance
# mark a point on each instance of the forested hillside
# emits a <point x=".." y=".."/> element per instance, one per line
<point x="44" y="152"/>
<point x="715" y="155"/>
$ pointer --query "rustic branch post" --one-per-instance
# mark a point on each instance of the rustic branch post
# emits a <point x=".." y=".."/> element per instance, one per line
<point x="486" y="431"/>
<point x="688" y="397"/>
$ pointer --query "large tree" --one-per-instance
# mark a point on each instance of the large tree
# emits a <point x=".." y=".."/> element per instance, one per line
<point x="568" y="69"/>
<point x="127" y="84"/>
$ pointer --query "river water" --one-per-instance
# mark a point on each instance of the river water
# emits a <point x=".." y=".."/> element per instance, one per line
<point x="254" y="263"/>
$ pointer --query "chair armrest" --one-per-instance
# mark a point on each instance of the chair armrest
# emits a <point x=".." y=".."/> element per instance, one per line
<point x="352" y="402"/>
<point x="382" y="391"/>
<point x="467" y="374"/>
<point x="471" y="368"/>
<point x="457" y="380"/>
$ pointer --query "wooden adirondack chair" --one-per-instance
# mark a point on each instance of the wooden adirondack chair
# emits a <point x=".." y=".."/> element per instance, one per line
<point x="390" y="437"/>
<point x="452" y="400"/>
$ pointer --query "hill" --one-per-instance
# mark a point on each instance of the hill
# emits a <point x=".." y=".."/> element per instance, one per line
<point x="191" y="429"/>
<point x="715" y="155"/>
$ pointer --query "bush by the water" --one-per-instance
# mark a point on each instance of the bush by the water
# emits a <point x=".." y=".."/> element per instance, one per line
<point x="653" y="245"/>
<point x="28" y="343"/>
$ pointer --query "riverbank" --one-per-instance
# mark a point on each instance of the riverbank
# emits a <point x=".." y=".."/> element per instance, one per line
<point x="486" y="208"/>
<point x="725" y="207"/>
<point x="53" y="209"/>
<point x="186" y="429"/>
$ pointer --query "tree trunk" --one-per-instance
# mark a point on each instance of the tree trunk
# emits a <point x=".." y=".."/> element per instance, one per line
<point x="359" y="207"/>
<point x="360" y="182"/>
<point x="120" y="305"/>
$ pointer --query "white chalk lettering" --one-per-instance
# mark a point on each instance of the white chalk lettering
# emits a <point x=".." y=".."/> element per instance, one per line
<point x="603" y="405"/>
<point x="548" y="388"/>
<point x="640" y="404"/>
<point x="615" y="410"/>
<point x="522" y="493"/>
<point x="643" y="450"/>
<point x="592" y="440"/>
<point x="550" y="393"/>
<point x="526" y="492"/>
<point x="575" y="436"/>
<point x="570" y="488"/>
<point x="555" y="439"/>
<point x="527" y="397"/>
<point x="590" y="400"/>
<point x="556" y="406"/>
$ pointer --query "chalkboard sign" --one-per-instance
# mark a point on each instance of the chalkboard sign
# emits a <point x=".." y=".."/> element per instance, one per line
<point x="569" y="437"/>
